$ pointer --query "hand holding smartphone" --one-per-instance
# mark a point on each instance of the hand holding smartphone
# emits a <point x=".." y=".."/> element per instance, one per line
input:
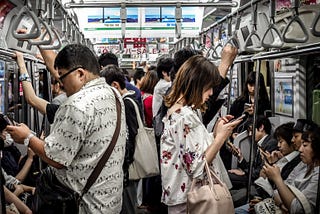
<point x="233" y="149"/>
<point x="244" y="115"/>
<point x="5" y="121"/>
<point x="265" y="155"/>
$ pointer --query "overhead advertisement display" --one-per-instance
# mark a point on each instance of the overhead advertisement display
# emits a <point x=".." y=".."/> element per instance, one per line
<point x="102" y="23"/>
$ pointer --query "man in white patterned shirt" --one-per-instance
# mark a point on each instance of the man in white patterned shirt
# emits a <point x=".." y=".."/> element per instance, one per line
<point x="82" y="130"/>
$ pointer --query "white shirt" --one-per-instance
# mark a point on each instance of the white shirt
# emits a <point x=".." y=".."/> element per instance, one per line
<point x="159" y="91"/>
<point x="286" y="159"/>
<point x="82" y="130"/>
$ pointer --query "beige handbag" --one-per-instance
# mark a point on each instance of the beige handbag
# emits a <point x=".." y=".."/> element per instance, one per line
<point x="210" y="195"/>
<point x="146" y="163"/>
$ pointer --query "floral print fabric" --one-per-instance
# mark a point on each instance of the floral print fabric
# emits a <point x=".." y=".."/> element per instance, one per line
<point x="183" y="144"/>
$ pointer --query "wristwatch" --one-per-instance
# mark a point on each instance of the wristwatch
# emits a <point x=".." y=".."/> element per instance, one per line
<point x="26" y="141"/>
<point x="24" y="77"/>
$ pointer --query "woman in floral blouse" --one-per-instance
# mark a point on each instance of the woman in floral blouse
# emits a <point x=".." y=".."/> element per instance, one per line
<point x="186" y="143"/>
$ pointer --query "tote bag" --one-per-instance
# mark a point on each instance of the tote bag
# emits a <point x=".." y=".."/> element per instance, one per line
<point x="145" y="159"/>
<point x="210" y="195"/>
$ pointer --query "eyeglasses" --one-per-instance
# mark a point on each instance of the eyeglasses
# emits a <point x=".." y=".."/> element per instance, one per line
<point x="66" y="74"/>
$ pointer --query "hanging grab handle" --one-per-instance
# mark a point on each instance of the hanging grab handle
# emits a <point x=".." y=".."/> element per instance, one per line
<point x="50" y="16"/>
<point x="314" y="26"/>
<point x="215" y="54"/>
<point x="35" y="31"/>
<point x="233" y="38"/>
<point x="256" y="44"/>
<point x="296" y="19"/>
<point x="53" y="46"/>
<point x="273" y="30"/>
<point x="47" y="31"/>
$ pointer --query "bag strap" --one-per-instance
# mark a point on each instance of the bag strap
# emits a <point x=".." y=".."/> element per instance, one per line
<point x="97" y="170"/>
<point x="140" y="123"/>
<point x="302" y="198"/>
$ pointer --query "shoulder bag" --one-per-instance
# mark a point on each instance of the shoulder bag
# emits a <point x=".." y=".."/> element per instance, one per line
<point x="51" y="196"/>
<point x="209" y="195"/>
<point x="145" y="159"/>
<point x="268" y="206"/>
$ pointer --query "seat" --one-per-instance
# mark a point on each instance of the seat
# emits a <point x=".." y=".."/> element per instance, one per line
<point x="242" y="141"/>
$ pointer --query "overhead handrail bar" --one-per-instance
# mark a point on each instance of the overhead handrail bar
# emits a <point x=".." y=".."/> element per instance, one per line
<point x="315" y="21"/>
<point x="253" y="34"/>
<point x="270" y="55"/>
<point x="35" y="31"/>
<point x="10" y="54"/>
<point x="151" y="4"/>
<point x="235" y="13"/>
<point x="215" y="54"/>
<point x="296" y="18"/>
<point x="233" y="39"/>
<point x="272" y="28"/>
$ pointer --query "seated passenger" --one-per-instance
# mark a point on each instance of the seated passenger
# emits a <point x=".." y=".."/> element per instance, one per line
<point x="24" y="168"/>
<point x="265" y="141"/>
<point x="304" y="177"/>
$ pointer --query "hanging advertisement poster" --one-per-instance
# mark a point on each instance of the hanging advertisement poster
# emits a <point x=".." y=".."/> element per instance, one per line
<point x="284" y="96"/>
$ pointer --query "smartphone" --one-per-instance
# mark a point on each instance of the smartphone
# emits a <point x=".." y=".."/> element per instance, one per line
<point x="248" y="105"/>
<point x="4" y="121"/>
<point x="8" y="120"/>
<point x="245" y="114"/>
<point x="262" y="152"/>
<point x="234" y="149"/>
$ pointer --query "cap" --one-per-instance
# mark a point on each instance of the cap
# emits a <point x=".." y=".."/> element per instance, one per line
<point x="303" y="125"/>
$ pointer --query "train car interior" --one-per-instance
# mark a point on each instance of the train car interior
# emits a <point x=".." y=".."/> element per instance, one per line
<point x="279" y="39"/>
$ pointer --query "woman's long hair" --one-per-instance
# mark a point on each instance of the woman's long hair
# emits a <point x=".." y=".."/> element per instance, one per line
<point x="251" y="79"/>
<point x="194" y="77"/>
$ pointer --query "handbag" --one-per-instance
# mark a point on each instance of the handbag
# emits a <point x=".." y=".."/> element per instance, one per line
<point x="209" y="195"/>
<point x="267" y="206"/>
<point x="145" y="158"/>
<point x="52" y="196"/>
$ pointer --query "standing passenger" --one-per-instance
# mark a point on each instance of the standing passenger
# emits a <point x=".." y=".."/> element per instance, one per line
<point x="164" y="67"/>
<point x="116" y="79"/>
<point x="186" y="143"/>
<point x="82" y="130"/>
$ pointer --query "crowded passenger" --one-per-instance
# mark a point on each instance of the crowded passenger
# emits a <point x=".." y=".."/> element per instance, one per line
<point x="185" y="143"/>
<point x="298" y="193"/>
<point x="78" y="128"/>
<point x="115" y="78"/>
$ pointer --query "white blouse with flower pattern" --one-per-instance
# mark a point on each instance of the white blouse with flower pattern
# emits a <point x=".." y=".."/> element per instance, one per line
<point x="183" y="144"/>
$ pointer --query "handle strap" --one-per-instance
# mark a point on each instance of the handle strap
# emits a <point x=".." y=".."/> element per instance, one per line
<point x="97" y="170"/>
<point x="302" y="198"/>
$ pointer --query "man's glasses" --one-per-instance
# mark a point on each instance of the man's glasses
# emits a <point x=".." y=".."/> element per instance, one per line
<point x="66" y="74"/>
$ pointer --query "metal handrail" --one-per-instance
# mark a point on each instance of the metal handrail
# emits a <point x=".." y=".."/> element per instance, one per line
<point x="253" y="33"/>
<point x="314" y="26"/>
<point x="272" y="28"/>
<point x="296" y="19"/>
<point x="236" y="12"/>
<point x="298" y="50"/>
<point x="35" y="31"/>
<point x="136" y="3"/>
